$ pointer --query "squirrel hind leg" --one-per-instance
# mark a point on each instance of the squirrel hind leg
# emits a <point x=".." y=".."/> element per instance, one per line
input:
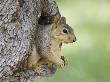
<point x="38" y="70"/>
<point x="42" y="65"/>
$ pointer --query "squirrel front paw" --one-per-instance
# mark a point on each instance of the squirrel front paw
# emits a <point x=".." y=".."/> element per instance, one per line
<point x="60" y="64"/>
<point x="57" y="60"/>
<point x="65" y="60"/>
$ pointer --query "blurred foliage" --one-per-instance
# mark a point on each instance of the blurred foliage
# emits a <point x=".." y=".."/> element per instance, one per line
<point x="89" y="57"/>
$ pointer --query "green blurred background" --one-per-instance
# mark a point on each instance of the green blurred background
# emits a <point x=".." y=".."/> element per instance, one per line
<point x="89" y="57"/>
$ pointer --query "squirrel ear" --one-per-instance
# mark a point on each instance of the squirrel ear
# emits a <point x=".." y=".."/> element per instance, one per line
<point x="56" y="22"/>
<point x="56" y="19"/>
<point x="63" y="20"/>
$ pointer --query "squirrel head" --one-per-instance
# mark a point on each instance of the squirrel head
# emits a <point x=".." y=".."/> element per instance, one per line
<point x="62" y="31"/>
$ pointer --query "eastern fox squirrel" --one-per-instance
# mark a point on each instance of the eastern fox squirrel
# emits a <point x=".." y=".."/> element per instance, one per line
<point x="48" y="42"/>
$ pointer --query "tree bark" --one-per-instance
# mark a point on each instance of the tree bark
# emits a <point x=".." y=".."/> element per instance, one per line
<point x="18" y="21"/>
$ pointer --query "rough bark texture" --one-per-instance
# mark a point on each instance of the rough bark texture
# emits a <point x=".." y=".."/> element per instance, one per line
<point x="18" y="21"/>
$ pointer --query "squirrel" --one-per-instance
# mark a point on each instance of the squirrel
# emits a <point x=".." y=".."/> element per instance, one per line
<point x="48" y="40"/>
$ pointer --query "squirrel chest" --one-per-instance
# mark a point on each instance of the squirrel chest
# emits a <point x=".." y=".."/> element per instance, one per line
<point x="55" y="46"/>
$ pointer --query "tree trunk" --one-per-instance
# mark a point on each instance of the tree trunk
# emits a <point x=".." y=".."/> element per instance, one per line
<point x="18" y="21"/>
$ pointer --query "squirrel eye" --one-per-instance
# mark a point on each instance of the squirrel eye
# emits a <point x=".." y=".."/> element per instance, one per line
<point x="65" y="31"/>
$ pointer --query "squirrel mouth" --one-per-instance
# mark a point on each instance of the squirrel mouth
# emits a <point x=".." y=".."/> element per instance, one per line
<point x="66" y="42"/>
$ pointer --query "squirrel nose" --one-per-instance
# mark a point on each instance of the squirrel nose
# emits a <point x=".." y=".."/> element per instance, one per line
<point x="74" y="39"/>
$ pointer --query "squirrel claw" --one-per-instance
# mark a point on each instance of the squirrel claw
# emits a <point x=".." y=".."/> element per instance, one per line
<point x="61" y="65"/>
<point x="65" y="60"/>
<point x="38" y="70"/>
